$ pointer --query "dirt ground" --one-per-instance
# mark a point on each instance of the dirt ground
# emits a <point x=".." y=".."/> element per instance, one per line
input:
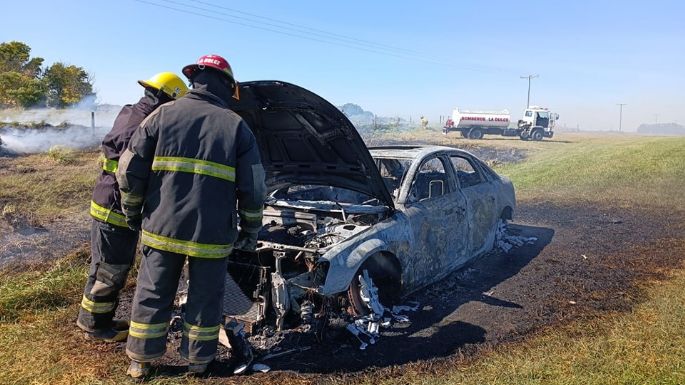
<point x="587" y="261"/>
<point x="22" y="241"/>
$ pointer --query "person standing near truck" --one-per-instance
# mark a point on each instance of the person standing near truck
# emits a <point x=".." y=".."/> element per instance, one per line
<point x="449" y="124"/>
<point x="113" y="244"/>
<point x="187" y="168"/>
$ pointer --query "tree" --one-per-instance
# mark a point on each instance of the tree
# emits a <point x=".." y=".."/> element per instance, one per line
<point x="66" y="85"/>
<point x="20" y="84"/>
<point x="15" y="56"/>
<point x="17" y="90"/>
<point x="24" y="83"/>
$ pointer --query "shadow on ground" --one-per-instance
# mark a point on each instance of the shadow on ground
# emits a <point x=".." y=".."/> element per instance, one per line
<point x="436" y="329"/>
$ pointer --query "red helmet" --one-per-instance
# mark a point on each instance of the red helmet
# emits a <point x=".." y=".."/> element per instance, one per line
<point x="213" y="61"/>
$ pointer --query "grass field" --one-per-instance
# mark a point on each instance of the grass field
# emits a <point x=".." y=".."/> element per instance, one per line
<point x="40" y="345"/>
<point x="46" y="186"/>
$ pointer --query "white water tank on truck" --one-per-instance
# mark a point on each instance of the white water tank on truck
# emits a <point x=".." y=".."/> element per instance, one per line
<point x="468" y="119"/>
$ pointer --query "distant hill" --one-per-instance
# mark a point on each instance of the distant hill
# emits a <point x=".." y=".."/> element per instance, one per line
<point x="356" y="114"/>
<point x="662" y="129"/>
<point x="366" y="120"/>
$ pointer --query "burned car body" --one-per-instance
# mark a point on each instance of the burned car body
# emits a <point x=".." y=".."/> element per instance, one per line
<point x="344" y="223"/>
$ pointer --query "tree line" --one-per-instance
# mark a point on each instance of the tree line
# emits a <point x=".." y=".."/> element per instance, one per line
<point x="25" y="82"/>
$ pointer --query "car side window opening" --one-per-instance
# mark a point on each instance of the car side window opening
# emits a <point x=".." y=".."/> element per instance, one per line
<point x="467" y="174"/>
<point x="529" y="113"/>
<point x="432" y="170"/>
<point x="393" y="171"/>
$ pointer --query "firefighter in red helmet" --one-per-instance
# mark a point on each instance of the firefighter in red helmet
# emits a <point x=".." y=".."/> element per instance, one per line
<point x="186" y="170"/>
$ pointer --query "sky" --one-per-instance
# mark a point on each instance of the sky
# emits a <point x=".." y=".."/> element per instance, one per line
<point x="394" y="58"/>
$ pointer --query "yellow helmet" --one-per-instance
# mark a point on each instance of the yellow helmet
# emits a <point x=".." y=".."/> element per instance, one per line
<point x="166" y="82"/>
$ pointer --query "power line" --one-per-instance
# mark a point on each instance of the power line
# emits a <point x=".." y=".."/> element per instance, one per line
<point x="303" y="28"/>
<point x="192" y="12"/>
<point x="529" y="77"/>
<point x="260" y="23"/>
<point x="279" y="30"/>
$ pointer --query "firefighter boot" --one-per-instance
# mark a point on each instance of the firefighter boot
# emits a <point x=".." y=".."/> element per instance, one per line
<point x="118" y="332"/>
<point x="138" y="369"/>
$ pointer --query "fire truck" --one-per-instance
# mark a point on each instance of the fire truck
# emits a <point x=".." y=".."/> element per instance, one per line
<point x="537" y="123"/>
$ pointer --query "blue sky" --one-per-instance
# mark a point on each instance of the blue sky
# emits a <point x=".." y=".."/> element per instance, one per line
<point x="395" y="58"/>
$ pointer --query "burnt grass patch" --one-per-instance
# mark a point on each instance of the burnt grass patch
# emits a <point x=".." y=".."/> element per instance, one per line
<point x="588" y="262"/>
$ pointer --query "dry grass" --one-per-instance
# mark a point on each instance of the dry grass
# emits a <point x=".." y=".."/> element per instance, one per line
<point x="44" y="187"/>
<point x="40" y="344"/>
<point x="624" y="171"/>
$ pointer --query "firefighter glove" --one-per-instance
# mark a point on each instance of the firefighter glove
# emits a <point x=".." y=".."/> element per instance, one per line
<point x="134" y="221"/>
<point x="246" y="241"/>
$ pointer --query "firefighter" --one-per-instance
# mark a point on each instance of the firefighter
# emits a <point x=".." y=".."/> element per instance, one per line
<point x="184" y="170"/>
<point x="113" y="244"/>
<point x="424" y="123"/>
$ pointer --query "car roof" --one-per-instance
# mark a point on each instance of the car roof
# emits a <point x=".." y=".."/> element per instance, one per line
<point x="410" y="151"/>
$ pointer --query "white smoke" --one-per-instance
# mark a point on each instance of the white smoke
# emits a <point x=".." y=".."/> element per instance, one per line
<point x="74" y="131"/>
<point x="32" y="140"/>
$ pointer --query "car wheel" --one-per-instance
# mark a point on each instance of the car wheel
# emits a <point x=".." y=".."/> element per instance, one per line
<point x="476" y="134"/>
<point x="372" y="289"/>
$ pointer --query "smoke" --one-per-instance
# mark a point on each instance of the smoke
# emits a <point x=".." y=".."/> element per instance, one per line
<point x="34" y="130"/>
<point x="32" y="140"/>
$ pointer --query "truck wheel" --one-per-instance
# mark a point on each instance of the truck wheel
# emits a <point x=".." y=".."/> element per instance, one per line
<point x="476" y="133"/>
<point x="463" y="134"/>
<point x="537" y="135"/>
<point x="523" y="136"/>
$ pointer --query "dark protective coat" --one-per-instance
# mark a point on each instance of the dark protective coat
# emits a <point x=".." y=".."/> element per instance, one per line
<point x="188" y="163"/>
<point x="106" y="206"/>
<point x="113" y="244"/>
<point x="183" y="170"/>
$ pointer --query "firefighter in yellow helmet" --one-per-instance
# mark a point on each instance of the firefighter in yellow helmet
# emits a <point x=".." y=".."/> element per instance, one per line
<point x="113" y="243"/>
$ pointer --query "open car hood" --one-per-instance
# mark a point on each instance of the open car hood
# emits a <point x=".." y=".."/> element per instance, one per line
<point x="303" y="139"/>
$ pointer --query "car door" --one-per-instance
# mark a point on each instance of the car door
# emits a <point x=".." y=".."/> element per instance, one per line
<point x="480" y="202"/>
<point x="436" y="211"/>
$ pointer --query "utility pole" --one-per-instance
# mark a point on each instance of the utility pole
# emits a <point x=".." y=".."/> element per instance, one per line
<point x="656" y="118"/>
<point x="529" y="77"/>
<point x="620" y="115"/>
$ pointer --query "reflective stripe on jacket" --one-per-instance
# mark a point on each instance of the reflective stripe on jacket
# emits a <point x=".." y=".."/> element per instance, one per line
<point x="185" y="168"/>
<point x="107" y="215"/>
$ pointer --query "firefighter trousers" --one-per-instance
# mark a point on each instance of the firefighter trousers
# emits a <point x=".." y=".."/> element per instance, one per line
<point x="158" y="279"/>
<point x="113" y="250"/>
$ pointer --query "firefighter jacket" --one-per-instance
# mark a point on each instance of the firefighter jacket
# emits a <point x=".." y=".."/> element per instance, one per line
<point x="184" y="169"/>
<point x="105" y="205"/>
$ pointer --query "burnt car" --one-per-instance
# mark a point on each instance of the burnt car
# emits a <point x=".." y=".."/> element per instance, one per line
<point x="348" y="228"/>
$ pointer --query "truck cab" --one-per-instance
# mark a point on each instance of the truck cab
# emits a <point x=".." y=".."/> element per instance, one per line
<point x="537" y="123"/>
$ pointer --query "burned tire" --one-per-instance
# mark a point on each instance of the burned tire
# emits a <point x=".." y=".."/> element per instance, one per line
<point x="537" y="135"/>
<point x="385" y="278"/>
<point x="475" y="133"/>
